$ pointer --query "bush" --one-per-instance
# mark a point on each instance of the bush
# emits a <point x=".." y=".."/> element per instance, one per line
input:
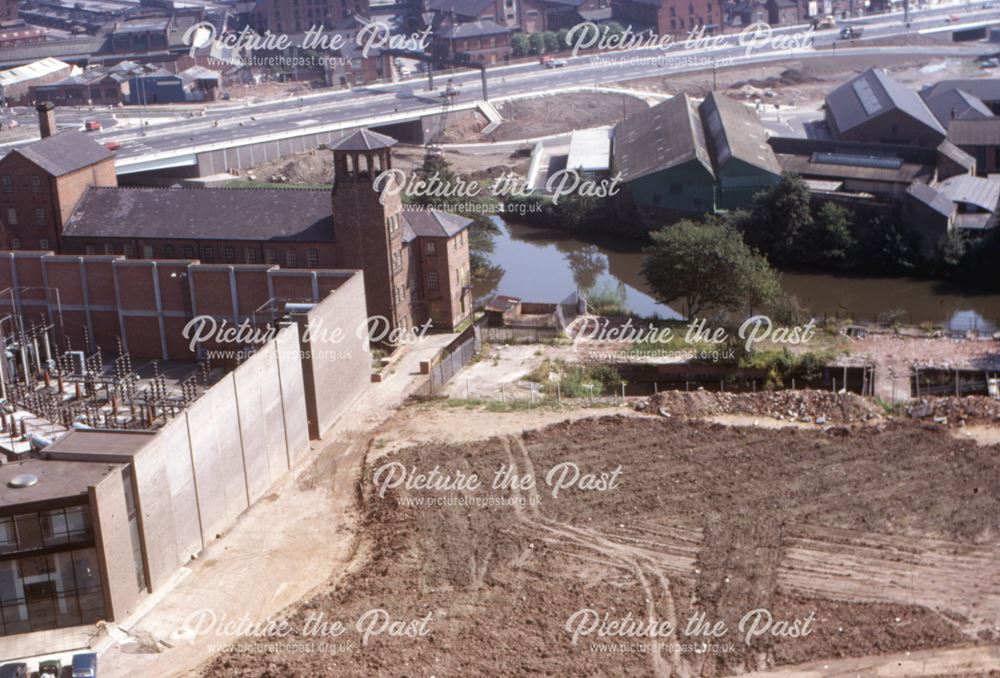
<point x="519" y="45"/>
<point x="607" y="299"/>
<point x="783" y="366"/>
<point x="574" y="377"/>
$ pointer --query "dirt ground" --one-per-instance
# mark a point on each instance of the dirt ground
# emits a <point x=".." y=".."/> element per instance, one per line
<point x="885" y="536"/>
<point x="316" y="167"/>
<point x="805" y="82"/>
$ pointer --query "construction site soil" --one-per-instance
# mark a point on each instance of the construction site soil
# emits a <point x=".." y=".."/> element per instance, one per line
<point x="884" y="533"/>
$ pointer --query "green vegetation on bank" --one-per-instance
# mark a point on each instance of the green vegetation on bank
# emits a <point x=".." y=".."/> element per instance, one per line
<point x="573" y="378"/>
<point x="792" y="231"/>
<point x="783" y="367"/>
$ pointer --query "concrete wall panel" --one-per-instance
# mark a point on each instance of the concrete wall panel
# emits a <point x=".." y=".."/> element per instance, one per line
<point x="114" y="545"/>
<point x="293" y="394"/>
<point x="218" y="458"/>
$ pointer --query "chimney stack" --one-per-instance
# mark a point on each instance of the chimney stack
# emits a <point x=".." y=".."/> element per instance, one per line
<point x="46" y="119"/>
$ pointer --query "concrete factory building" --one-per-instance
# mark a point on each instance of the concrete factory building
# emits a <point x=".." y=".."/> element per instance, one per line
<point x="94" y="519"/>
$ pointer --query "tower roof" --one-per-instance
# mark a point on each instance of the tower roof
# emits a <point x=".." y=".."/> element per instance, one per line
<point x="365" y="140"/>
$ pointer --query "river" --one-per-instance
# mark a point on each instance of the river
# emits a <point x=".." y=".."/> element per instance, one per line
<point x="549" y="265"/>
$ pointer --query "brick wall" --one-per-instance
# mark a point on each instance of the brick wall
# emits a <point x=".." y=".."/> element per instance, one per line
<point x="42" y="203"/>
<point x="96" y="300"/>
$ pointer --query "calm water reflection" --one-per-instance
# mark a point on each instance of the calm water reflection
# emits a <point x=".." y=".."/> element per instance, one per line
<point x="549" y="265"/>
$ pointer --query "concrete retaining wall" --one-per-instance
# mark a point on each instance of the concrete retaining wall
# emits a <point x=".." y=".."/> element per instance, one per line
<point x="201" y="471"/>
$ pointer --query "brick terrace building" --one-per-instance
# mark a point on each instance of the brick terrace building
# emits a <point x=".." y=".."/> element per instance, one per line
<point x="481" y="41"/>
<point x="8" y="11"/>
<point x="416" y="263"/>
<point x="41" y="184"/>
<point x="669" y="17"/>
<point x="296" y="16"/>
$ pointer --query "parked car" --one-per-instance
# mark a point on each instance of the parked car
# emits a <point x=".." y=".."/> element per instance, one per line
<point x="555" y="63"/>
<point x="112" y="145"/>
<point x="15" y="670"/>
<point x="990" y="63"/>
<point x="85" y="665"/>
<point x="92" y="126"/>
<point x="50" y="668"/>
<point x="825" y="22"/>
<point x="952" y="18"/>
<point x="850" y="32"/>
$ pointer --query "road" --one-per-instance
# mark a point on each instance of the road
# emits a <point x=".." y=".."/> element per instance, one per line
<point x="228" y="124"/>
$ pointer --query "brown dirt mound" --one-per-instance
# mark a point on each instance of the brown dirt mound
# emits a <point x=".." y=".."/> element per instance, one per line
<point x="821" y="407"/>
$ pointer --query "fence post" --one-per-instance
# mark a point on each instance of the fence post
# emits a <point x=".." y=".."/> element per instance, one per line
<point x="501" y="392"/>
<point x="656" y="388"/>
<point x="467" y="390"/>
<point x="722" y="386"/>
<point x="835" y="384"/>
<point x="559" y="392"/>
<point x="623" y="393"/>
<point x="793" y="383"/>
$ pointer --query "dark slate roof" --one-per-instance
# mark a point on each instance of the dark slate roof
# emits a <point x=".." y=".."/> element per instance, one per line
<point x="984" y="89"/>
<point x="365" y="140"/>
<point x="956" y="104"/>
<point x="735" y="131"/>
<point x="472" y="29"/>
<point x="461" y="7"/>
<point x="923" y="193"/>
<point x="985" y="132"/>
<point x="664" y="136"/>
<point x="432" y="224"/>
<point x="63" y="153"/>
<point x="871" y="95"/>
<point x="204" y="214"/>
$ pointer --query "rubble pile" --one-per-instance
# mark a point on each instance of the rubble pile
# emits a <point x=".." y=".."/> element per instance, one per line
<point x="819" y="407"/>
<point x="955" y="411"/>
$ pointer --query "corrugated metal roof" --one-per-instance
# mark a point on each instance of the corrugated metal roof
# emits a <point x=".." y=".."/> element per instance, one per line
<point x="985" y="132"/>
<point x="37" y="69"/>
<point x="979" y="191"/>
<point x="928" y="196"/>
<point x="956" y="154"/>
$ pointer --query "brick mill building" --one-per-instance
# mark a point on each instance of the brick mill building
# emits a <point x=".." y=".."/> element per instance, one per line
<point x="61" y="194"/>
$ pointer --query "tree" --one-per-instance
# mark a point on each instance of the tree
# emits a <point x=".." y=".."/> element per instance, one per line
<point x="519" y="44"/>
<point x="708" y="267"/>
<point x="831" y="239"/>
<point x="778" y="219"/>
<point x="551" y="41"/>
<point x="536" y="43"/>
